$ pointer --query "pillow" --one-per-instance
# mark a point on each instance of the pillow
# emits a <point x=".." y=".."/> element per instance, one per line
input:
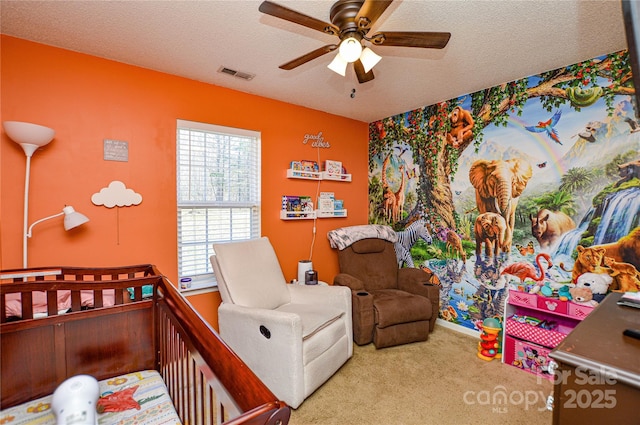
<point x="108" y="298"/>
<point x="39" y="301"/>
<point x="13" y="301"/>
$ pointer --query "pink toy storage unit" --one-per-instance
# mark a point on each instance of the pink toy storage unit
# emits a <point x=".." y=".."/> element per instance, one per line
<point x="533" y="326"/>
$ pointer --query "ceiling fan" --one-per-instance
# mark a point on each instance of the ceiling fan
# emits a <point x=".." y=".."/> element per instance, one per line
<point x="351" y="21"/>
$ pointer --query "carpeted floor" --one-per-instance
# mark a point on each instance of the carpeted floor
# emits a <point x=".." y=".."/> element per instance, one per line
<point x="440" y="381"/>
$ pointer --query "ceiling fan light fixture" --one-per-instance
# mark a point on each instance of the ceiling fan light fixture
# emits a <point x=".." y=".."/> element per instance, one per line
<point x="338" y="65"/>
<point x="369" y="59"/>
<point x="350" y="49"/>
<point x="351" y="21"/>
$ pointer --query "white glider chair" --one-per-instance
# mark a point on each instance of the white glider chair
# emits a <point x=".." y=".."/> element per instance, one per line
<point x="294" y="337"/>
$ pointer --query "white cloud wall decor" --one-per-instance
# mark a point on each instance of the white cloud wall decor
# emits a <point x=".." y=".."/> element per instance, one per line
<point x="116" y="194"/>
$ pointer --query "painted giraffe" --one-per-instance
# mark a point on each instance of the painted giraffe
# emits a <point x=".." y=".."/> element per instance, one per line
<point x="399" y="196"/>
<point x="388" y="197"/>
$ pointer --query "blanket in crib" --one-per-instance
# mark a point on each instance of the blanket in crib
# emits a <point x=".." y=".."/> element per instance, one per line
<point x="134" y="398"/>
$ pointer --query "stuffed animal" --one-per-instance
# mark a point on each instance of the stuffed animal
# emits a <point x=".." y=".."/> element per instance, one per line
<point x="598" y="283"/>
<point x="564" y="293"/>
<point x="546" y="289"/>
<point x="561" y="289"/>
<point x="582" y="295"/>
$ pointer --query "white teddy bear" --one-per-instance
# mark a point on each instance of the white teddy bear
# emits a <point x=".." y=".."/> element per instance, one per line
<point x="597" y="282"/>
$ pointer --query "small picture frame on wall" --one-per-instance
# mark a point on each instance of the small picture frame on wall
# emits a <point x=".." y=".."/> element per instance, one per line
<point x="115" y="150"/>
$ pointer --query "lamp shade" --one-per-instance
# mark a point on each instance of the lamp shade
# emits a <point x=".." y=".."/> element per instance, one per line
<point x="369" y="59"/>
<point x="72" y="218"/>
<point x="338" y="65"/>
<point x="29" y="136"/>
<point x="350" y="49"/>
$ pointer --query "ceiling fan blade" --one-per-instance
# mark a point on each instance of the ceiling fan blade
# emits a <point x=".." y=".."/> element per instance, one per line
<point x="429" y="40"/>
<point x="291" y="15"/>
<point x="309" y="56"/>
<point x="363" y="77"/>
<point x="370" y="11"/>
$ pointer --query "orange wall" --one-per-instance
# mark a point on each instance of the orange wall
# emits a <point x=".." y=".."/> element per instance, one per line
<point x="86" y="99"/>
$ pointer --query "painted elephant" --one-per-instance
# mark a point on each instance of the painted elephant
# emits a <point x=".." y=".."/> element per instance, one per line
<point x="490" y="229"/>
<point x="499" y="184"/>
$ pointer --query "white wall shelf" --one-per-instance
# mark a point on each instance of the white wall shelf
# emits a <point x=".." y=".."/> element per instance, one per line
<point x="304" y="175"/>
<point x="297" y="215"/>
<point x="307" y="215"/>
<point x="324" y="175"/>
<point x="331" y="214"/>
<point x="313" y="175"/>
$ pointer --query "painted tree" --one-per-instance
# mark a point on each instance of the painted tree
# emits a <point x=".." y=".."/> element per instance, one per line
<point x="579" y="181"/>
<point x="557" y="201"/>
<point x="425" y="130"/>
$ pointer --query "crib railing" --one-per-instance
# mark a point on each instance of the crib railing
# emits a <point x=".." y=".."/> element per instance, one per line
<point x="208" y="383"/>
<point x="78" y="280"/>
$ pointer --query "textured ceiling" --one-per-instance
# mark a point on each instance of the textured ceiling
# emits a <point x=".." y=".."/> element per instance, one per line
<point x="492" y="42"/>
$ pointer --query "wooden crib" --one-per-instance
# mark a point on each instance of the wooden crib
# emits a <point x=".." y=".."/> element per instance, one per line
<point x="106" y="322"/>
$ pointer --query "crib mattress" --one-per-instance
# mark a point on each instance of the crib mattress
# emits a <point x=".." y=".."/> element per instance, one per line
<point x="134" y="398"/>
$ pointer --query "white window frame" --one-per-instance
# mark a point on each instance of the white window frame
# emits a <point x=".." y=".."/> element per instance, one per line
<point x="192" y="198"/>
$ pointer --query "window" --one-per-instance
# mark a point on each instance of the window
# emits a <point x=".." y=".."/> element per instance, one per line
<point x="218" y="175"/>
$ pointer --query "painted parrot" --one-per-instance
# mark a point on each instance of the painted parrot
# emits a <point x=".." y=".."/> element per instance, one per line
<point x="547" y="126"/>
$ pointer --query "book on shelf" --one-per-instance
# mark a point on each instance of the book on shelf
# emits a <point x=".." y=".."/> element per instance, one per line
<point x="306" y="205"/>
<point x="309" y="168"/>
<point x="297" y="206"/>
<point x="339" y="210"/>
<point x="292" y="204"/>
<point x="333" y="167"/>
<point x="326" y="201"/>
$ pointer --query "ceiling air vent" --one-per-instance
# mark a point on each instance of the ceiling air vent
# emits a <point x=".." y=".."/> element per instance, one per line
<point x="238" y="74"/>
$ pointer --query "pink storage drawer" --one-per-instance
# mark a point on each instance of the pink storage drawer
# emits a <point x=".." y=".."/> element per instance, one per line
<point x="552" y="305"/>
<point x="527" y="356"/>
<point x="524" y="299"/>
<point x="579" y="311"/>
<point x="536" y="334"/>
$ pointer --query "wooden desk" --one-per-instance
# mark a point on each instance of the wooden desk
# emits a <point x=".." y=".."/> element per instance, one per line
<point x="598" y="375"/>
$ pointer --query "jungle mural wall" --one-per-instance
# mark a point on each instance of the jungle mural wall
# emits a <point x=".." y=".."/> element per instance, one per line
<point x="511" y="184"/>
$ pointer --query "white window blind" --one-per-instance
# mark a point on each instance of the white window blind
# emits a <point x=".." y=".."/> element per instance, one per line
<point x="218" y="175"/>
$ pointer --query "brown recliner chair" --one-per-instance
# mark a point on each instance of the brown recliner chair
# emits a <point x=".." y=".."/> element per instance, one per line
<point x="391" y="305"/>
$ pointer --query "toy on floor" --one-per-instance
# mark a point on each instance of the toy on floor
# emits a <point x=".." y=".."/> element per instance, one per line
<point x="489" y="347"/>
